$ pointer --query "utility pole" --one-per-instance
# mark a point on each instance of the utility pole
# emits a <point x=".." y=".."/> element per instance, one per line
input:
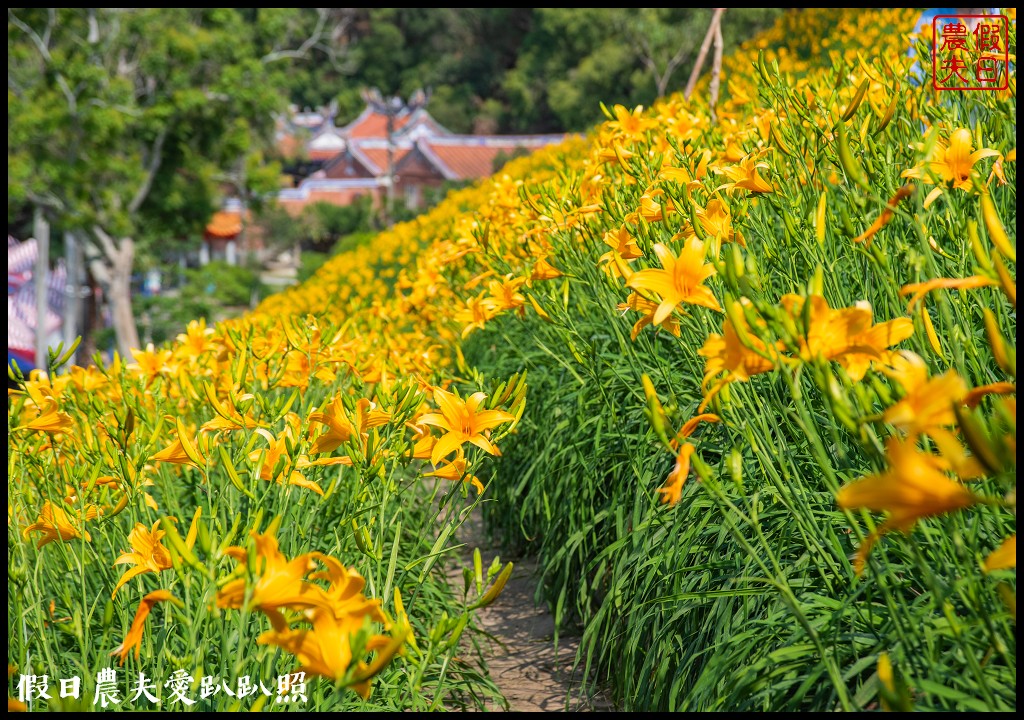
<point x="72" y="291"/>
<point x="41" y="231"/>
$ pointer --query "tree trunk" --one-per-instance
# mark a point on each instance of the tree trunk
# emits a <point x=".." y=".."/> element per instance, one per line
<point x="121" y="298"/>
<point x="115" y="267"/>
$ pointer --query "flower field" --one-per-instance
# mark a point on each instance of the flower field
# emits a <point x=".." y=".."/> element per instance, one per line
<point x="745" y="384"/>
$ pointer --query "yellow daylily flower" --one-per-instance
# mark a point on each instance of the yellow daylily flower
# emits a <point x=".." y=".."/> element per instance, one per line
<point x="621" y="243"/>
<point x="846" y="335"/>
<point x="543" y="270"/>
<point x="679" y="281"/>
<point x="717" y="222"/>
<point x="147" y="555"/>
<point x="176" y="453"/>
<point x="648" y="308"/>
<point x="464" y="422"/>
<point x="326" y="650"/>
<point x="476" y="312"/>
<point x="630" y="123"/>
<point x="195" y="341"/>
<point x="275" y="453"/>
<point x="505" y="293"/>
<point x="672" y="490"/>
<point x="726" y="354"/>
<point x="51" y="418"/>
<point x="150" y="362"/>
<point x="929" y="403"/>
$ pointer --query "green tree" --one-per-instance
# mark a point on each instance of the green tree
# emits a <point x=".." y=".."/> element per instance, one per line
<point x="126" y="124"/>
<point x="574" y="58"/>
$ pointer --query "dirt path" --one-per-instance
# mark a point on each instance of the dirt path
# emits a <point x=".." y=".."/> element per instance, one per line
<point x="523" y="662"/>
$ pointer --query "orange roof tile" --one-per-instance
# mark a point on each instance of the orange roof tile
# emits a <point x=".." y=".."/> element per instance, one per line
<point x="467" y="157"/>
<point x="288" y="145"/>
<point x="379" y="156"/>
<point x="323" y="154"/>
<point x="467" y="161"/>
<point x="224" y="224"/>
<point x="373" y="125"/>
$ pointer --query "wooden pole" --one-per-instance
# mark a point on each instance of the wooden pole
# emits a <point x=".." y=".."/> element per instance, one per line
<point x="716" y="70"/>
<point x="390" y="201"/>
<point x="41" y="231"/>
<point x="716" y="18"/>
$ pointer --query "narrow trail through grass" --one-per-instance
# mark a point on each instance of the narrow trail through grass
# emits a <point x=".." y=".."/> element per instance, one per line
<point x="521" y="655"/>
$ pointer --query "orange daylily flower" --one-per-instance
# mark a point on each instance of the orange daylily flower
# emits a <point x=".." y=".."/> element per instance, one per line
<point x="615" y="151"/>
<point x="919" y="290"/>
<point x="744" y="176"/>
<point x="690" y="425"/>
<point x="951" y="161"/>
<point x="543" y="270"/>
<point x="175" y="453"/>
<point x="976" y="395"/>
<point x="648" y="308"/>
<point x="133" y="638"/>
<point x="1003" y="557"/>
<point x="326" y="649"/>
<point x="464" y="422"/>
<point x="886" y="215"/>
<point x="228" y="417"/>
<point x="275" y="452"/>
<point x="717" y="222"/>
<point x="345" y="591"/>
<point x="650" y="209"/>
<point x="456" y="471"/>
<point x="51" y="418"/>
<point x="914" y="487"/>
<point x="679" y="281"/>
<point x="279" y="582"/>
<point x="55" y="524"/>
<point x="631" y="123"/>
<point x="150" y="362"/>
<point x="505" y="293"/>
<point x="726" y="354"/>
<point x="845" y="335"/>
<point x="147" y="555"/>
<point x="341" y="428"/>
<point x="476" y="312"/>
<point x="195" y="341"/>
<point x="87" y="380"/>
<point x="622" y="243"/>
<point x="672" y="490"/>
<point x="337" y="614"/>
<point x="423" y="444"/>
<point x="928" y="402"/>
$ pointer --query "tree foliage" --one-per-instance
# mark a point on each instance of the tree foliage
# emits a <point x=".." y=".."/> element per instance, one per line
<point x="127" y="124"/>
<point x="516" y="69"/>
